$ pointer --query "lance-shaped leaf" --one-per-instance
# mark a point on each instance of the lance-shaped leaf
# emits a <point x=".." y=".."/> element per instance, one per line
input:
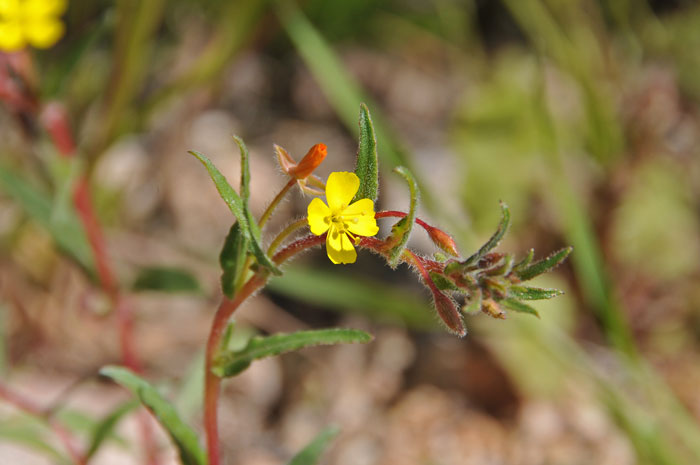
<point x="517" y="306"/>
<point x="231" y="363"/>
<point x="367" y="167"/>
<point x="533" y="293"/>
<point x="182" y="435"/>
<point x="106" y="426"/>
<point x="232" y="259"/>
<point x="527" y="259"/>
<point x="311" y="454"/>
<point x="493" y="242"/>
<point x="544" y="265"/>
<point x="402" y="229"/>
<point x="245" y="170"/>
<point x="249" y="227"/>
<point x="442" y="282"/>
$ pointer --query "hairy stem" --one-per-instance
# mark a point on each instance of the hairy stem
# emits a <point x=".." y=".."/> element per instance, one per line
<point x="212" y="383"/>
<point x="278" y="198"/>
<point x="285" y="233"/>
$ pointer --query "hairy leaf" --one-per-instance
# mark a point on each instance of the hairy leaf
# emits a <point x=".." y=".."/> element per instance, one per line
<point x="544" y="265"/>
<point x="533" y="293"/>
<point x="493" y="242"/>
<point x="232" y="259"/>
<point x="517" y="306"/>
<point x="183" y="435"/>
<point x="231" y="363"/>
<point x="367" y="167"/>
<point x="249" y="227"/>
<point x="443" y="283"/>
<point x="402" y="229"/>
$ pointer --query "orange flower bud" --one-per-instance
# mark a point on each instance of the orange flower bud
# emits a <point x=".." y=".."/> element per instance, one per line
<point x="310" y="162"/>
<point x="443" y="240"/>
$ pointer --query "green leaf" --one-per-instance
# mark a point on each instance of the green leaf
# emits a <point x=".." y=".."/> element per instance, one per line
<point x="183" y="436"/>
<point x="401" y="231"/>
<point x="493" y="242"/>
<point x="544" y="265"/>
<point x="166" y="279"/>
<point x="442" y="282"/>
<point x="230" y="196"/>
<point x="311" y="454"/>
<point x="231" y="363"/>
<point x="517" y="306"/>
<point x="66" y="229"/>
<point x="533" y="293"/>
<point x="106" y="426"/>
<point x="367" y="167"/>
<point x="249" y="226"/>
<point x="245" y="170"/>
<point x="232" y="259"/>
<point x="525" y="261"/>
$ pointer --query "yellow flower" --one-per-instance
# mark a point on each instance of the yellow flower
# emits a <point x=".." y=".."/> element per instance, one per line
<point x="342" y="220"/>
<point x="33" y="22"/>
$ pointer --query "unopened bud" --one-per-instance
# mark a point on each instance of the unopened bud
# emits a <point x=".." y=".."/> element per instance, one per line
<point x="443" y="240"/>
<point x="310" y="162"/>
<point x="492" y="309"/>
<point x="448" y="312"/>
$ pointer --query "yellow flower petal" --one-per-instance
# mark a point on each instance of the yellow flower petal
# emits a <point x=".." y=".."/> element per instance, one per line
<point x="341" y="187"/>
<point x="43" y="33"/>
<point x="10" y="9"/>
<point x="360" y="218"/>
<point x="11" y="37"/>
<point x="43" y="8"/>
<point x="318" y="212"/>
<point x="339" y="247"/>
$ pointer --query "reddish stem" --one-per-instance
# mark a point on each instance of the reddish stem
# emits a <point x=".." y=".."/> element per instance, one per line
<point x="55" y="121"/>
<point x="398" y="214"/>
<point x="212" y="383"/>
<point x="63" y="434"/>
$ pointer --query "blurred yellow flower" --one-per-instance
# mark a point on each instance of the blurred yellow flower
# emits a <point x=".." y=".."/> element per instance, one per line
<point x="342" y="220"/>
<point x="30" y="22"/>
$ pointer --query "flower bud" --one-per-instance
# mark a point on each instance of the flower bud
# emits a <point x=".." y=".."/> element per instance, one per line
<point x="443" y="240"/>
<point x="492" y="309"/>
<point x="310" y="162"/>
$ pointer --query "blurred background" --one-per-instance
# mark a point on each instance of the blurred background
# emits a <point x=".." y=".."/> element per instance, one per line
<point x="582" y="115"/>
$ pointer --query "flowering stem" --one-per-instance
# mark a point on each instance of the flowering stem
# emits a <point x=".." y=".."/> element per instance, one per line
<point x="285" y="233"/>
<point x="398" y="214"/>
<point x="212" y="383"/>
<point x="63" y="434"/>
<point x="271" y="208"/>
